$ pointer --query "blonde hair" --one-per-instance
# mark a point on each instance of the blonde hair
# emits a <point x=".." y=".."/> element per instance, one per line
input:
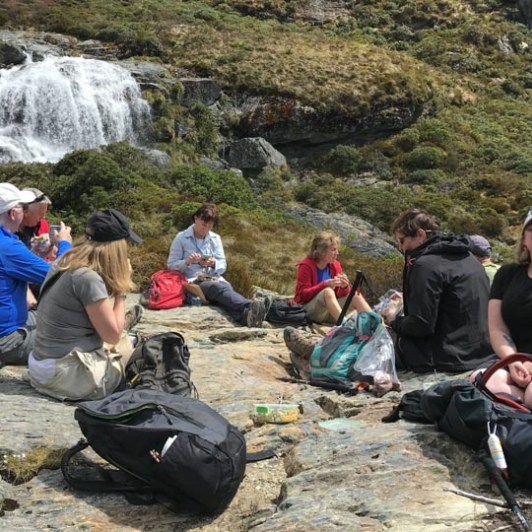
<point x="108" y="259"/>
<point x="321" y="244"/>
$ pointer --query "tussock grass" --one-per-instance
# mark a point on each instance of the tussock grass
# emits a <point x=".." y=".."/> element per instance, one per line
<point x="20" y="468"/>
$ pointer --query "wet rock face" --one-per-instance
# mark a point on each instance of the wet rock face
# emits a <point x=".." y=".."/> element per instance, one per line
<point x="337" y="468"/>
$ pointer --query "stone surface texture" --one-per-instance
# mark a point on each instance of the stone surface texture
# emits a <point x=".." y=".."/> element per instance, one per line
<point x="337" y="468"/>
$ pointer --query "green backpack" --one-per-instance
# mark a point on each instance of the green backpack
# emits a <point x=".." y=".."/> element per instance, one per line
<point x="334" y="357"/>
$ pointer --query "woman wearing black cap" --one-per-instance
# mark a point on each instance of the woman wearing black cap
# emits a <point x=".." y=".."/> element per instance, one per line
<point x="509" y="311"/>
<point x="80" y="348"/>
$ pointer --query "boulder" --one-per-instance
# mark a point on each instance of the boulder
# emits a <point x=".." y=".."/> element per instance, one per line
<point x="202" y="90"/>
<point x="254" y="154"/>
<point x="353" y="231"/>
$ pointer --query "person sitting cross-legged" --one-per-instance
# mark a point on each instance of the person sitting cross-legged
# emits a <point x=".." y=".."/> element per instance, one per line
<point x="199" y="250"/>
<point x="321" y="285"/>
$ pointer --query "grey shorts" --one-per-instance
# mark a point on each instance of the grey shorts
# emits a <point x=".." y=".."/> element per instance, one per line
<point x="16" y="346"/>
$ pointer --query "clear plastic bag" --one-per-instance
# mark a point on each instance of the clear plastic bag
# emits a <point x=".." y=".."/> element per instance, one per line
<point x="376" y="363"/>
<point x="390" y="305"/>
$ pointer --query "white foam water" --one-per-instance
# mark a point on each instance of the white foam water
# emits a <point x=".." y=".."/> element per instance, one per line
<point x="58" y="105"/>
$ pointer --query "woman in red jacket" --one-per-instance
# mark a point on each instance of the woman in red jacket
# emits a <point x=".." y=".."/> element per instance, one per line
<point x="321" y="286"/>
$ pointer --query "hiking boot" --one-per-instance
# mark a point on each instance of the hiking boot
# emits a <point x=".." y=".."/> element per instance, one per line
<point x="297" y="343"/>
<point x="268" y="300"/>
<point x="300" y="366"/>
<point x="133" y="316"/>
<point x="256" y="313"/>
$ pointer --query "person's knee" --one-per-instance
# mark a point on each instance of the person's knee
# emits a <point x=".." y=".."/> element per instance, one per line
<point x="328" y="294"/>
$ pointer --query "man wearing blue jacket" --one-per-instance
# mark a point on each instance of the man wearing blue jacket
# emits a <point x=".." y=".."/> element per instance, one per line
<point x="18" y="267"/>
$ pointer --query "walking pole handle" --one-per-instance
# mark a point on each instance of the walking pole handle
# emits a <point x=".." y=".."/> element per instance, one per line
<point x="356" y="285"/>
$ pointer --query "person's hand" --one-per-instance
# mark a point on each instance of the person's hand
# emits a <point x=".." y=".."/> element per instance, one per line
<point x="520" y="374"/>
<point x="207" y="263"/>
<point x="344" y="280"/>
<point x="333" y="283"/>
<point x="194" y="257"/>
<point x="62" y="234"/>
<point x="40" y="245"/>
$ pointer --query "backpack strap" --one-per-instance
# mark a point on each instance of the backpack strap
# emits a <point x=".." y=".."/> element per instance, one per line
<point x="107" y="485"/>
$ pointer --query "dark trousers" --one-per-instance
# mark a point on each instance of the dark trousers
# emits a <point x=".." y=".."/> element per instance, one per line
<point x="222" y="294"/>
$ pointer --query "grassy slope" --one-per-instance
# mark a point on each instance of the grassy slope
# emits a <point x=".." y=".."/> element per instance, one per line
<point x="384" y="53"/>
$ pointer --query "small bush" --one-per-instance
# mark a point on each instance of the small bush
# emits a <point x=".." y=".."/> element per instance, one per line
<point x="425" y="157"/>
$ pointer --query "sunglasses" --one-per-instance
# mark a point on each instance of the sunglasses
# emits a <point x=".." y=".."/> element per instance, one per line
<point x="401" y="240"/>
<point x="40" y="199"/>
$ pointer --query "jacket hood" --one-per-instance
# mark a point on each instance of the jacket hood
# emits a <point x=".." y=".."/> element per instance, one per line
<point x="441" y="244"/>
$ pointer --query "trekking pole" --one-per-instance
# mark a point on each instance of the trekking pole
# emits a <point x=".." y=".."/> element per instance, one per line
<point x="344" y="388"/>
<point x="356" y="285"/>
<point x="496" y="474"/>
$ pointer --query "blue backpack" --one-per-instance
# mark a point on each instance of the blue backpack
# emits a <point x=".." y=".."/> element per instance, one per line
<point x="334" y="357"/>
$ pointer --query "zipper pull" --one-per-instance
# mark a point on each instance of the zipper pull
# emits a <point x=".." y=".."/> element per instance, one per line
<point x="165" y="414"/>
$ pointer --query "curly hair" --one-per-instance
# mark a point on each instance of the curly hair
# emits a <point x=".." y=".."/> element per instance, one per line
<point x="321" y="243"/>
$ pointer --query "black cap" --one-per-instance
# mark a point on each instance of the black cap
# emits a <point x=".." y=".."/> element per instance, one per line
<point x="108" y="226"/>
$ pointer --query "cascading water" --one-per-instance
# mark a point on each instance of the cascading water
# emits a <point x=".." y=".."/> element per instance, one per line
<point x="58" y="105"/>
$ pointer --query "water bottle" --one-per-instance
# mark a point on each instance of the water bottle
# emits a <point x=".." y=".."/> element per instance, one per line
<point x="495" y="447"/>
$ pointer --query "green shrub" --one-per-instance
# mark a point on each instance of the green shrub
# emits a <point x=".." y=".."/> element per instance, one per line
<point x="425" y="157"/>
<point x="426" y="177"/>
<point x="408" y="139"/>
<point x="217" y="186"/>
<point x="341" y="161"/>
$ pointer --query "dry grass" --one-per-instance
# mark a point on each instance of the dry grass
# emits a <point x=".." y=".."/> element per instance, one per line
<point x="20" y="468"/>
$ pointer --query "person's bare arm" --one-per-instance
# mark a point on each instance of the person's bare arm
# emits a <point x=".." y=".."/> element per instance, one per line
<point x="108" y="318"/>
<point x="503" y="344"/>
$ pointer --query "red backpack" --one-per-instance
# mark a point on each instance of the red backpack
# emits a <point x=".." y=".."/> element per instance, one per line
<point x="166" y="290"/>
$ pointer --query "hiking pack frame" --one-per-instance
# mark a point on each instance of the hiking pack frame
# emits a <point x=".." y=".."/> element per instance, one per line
<point x="359" y="279"/>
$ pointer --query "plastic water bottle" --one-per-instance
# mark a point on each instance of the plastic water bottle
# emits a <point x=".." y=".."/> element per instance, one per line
<point x="495" y="447"/>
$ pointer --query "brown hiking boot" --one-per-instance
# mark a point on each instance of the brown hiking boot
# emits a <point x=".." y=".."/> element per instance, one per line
<point x="298" y="343"/>
<point x="133" y="316"/>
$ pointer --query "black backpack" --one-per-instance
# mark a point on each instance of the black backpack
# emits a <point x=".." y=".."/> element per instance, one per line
<point x="285" y="312"/>
<point x="462" y="410"/>
<point x="160" y="362"/>
<point x="175" y="448"/>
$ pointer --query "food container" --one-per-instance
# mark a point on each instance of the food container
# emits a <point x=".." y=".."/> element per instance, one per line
<point x="276" y="413"/>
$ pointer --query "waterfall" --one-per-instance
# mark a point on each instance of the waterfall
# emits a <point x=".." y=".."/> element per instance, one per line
<point x="58" y="105"/>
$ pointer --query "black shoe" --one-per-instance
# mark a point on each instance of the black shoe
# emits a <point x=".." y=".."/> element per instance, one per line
<point x="256" y="313"/>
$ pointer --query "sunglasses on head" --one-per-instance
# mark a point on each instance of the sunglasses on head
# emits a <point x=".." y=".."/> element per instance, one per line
<point x="40" y="198"/>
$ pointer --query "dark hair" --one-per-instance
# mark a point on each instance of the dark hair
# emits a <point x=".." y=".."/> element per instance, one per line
<point x="208" y="212"/>
<point x="410" y="221"/>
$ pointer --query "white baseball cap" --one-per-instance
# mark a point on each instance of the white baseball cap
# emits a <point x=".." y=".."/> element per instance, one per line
<point x="11" y="196"/>
<point x="528" y="219"/>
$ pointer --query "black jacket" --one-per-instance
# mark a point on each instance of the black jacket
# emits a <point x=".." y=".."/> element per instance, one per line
<point x="445" y="292"/>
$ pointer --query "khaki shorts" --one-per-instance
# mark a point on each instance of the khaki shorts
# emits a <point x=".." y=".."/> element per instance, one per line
<point x="88" y="375"/>
<point x="317" y="311"/>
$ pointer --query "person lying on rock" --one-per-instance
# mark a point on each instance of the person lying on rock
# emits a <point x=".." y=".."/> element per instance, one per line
<point x="509" y="311"/>
<point x="19" y="267"/>
<point x="321" y="286"/>
<point x="81" y="346"/>
<point x="445" y="298"/>
<point x="198" y="253"/>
